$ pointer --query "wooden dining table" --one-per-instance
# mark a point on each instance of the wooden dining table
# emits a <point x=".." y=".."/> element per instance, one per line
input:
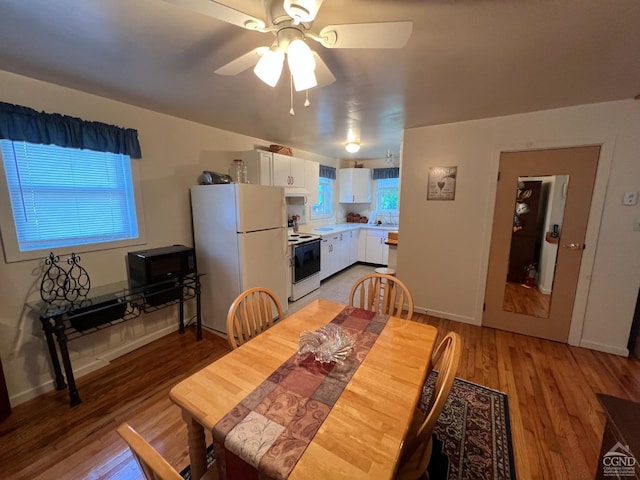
<point x="362" y="436"/>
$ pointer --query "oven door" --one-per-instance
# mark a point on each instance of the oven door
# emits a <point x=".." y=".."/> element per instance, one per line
<point x="306" y="260"/>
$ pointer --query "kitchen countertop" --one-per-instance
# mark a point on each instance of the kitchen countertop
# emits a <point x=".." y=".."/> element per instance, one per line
<point x="329" y="230"/>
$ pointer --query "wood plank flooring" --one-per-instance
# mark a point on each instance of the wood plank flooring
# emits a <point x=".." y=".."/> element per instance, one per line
<point x="556" y="419"/>
<point x="529" y="301"/>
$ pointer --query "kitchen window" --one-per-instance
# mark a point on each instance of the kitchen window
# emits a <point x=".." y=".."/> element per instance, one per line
<point x="387" y="195"/>
<point x="66" y="199"/>
<point x="324" y="207"/>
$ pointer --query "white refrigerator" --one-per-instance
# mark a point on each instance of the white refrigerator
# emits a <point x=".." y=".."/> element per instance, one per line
<point x="240" y="238"/>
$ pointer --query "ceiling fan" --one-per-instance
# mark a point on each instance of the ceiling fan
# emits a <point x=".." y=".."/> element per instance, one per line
<point x="291" y="21"/>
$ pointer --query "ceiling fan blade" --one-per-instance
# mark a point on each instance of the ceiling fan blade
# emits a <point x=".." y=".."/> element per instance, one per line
<point x="243" y="62"/>
<point x="323" y="74"/>
<point x="366" y="35"/>
<point x="221" y="12"/>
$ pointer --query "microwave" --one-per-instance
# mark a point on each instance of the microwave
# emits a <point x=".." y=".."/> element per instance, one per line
<point x="146" y="267"/>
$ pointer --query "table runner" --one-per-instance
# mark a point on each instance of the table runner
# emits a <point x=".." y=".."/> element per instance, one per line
<point x="265" y="435"/>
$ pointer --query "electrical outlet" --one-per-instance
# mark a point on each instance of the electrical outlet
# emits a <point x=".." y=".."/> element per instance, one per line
<point x="636" y="225"/>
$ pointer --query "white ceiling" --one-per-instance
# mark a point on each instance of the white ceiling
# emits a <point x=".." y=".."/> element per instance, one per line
<point x="466" y="59"/>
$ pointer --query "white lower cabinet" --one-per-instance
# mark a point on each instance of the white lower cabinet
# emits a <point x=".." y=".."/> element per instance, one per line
<point x="354" y="244"/>
<point x="377" y="251"/>
<point x="325" y="258"/>
<point x="362" y="246"/>
<point x="337" y="252"/>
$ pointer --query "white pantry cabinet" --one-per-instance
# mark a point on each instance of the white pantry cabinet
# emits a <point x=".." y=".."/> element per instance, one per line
<point x="355" y="185"/>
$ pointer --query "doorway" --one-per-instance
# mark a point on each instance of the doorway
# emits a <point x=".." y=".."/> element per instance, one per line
<point x="540" y="219"/>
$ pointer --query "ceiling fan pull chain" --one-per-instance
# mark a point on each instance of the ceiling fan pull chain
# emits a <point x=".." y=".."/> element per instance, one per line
<point x="306" y="102"/>
<point x="291" y="112"/>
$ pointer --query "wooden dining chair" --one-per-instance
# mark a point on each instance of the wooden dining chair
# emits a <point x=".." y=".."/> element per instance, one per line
<point x="418" y="444"/>
<point x="250" y="314"/>
<point x="378" y="292"/>
<point x="152" y="464"/>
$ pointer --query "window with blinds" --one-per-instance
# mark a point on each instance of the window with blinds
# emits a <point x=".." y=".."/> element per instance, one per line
<point x="63" y="197"/>
<point x="324" y="207"/>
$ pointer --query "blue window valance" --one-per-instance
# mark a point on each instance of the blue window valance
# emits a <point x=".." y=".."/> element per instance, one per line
<point x="18" y="123"/>
<point x="379" y="173"/>
<point x="327" y="172"/>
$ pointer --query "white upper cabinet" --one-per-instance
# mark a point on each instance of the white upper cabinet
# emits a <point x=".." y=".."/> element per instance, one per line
<point x="355" y="185"/>
<point x="312" y="180"/>
<point x="288" y="171"/>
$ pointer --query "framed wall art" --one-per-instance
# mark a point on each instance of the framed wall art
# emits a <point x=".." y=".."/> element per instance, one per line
<point x="442" y="183"/>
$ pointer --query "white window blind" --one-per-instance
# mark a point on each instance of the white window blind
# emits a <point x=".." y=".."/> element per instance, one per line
<point x="65" y="197"/>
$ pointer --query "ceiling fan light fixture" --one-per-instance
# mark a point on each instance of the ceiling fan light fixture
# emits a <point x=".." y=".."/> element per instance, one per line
<point x="304" y="80"/>
<point x="352" y="147"/>
<point x="300" y="57"/>
<point x="302" y="10"/>
<point x="269" y="67"/>
<point x="302" y="65"/>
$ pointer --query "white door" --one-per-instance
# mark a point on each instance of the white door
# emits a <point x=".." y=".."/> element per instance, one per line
<point x="263" y="261"/>
<point x="259" y="207"/>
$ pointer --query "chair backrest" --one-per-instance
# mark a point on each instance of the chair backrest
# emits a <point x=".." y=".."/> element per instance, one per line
<point x="378" y="292"/>
<point x="152" y="464"/>
<point x="418" y="444"/>
<point x="250" y="314"/>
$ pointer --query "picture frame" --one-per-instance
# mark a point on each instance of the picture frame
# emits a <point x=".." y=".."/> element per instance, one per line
<point x="441" y="184"/>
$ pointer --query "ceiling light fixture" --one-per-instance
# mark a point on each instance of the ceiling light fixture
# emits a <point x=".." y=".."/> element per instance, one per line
<point x="302" y="65"/>
<point x="389" y="157"/>
<point x="269" y="67"/>
<point x="352" y="147"/>
<point x="300" y="60"/>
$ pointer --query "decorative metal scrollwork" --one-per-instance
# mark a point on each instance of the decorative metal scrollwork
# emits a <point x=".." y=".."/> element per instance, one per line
<point x="59" y="284"/>
<point x="78" y="283"/>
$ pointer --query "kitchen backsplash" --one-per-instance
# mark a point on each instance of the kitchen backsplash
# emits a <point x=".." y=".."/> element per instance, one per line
<point x="296" y="206"/>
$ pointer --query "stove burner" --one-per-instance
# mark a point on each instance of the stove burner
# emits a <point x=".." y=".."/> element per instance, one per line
<point x="293" y="235"/>
<point x="305" y="236"/>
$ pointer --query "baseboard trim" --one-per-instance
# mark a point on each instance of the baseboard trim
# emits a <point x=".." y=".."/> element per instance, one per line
<point x="92" y="366"/>
<point x="447" y="315"/>
<point x="601" y="347"/>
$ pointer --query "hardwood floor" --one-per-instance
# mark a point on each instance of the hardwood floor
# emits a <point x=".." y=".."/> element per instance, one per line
<point x="556" y="419"/>
<point x="521" y="299"/>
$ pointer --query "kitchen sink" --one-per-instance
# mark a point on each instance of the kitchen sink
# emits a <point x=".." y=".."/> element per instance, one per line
<point x="324" y="229"/>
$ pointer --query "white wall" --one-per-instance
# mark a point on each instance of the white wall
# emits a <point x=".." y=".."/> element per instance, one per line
<point x="175" y="152"/>
<point x="444" y="251"/>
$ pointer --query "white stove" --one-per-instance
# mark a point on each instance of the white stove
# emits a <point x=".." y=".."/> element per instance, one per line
<point x="305" y="263"/>
<point x="299" y="238"/>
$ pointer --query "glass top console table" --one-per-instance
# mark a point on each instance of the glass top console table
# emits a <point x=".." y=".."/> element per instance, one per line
<point x="104" y="307"/>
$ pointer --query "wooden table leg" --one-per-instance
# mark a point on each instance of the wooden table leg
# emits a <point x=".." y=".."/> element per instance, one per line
<point x="197" y="446"/>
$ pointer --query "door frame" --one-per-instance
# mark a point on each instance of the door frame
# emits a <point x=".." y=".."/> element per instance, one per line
<point x="579" y="164"/>
<point x="607" y="146"/>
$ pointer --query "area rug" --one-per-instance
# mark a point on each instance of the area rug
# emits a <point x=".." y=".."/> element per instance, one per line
<point x="472" y="439"/>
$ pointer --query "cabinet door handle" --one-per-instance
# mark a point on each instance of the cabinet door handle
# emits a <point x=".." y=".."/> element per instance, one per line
<point x="353" y="198"/>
